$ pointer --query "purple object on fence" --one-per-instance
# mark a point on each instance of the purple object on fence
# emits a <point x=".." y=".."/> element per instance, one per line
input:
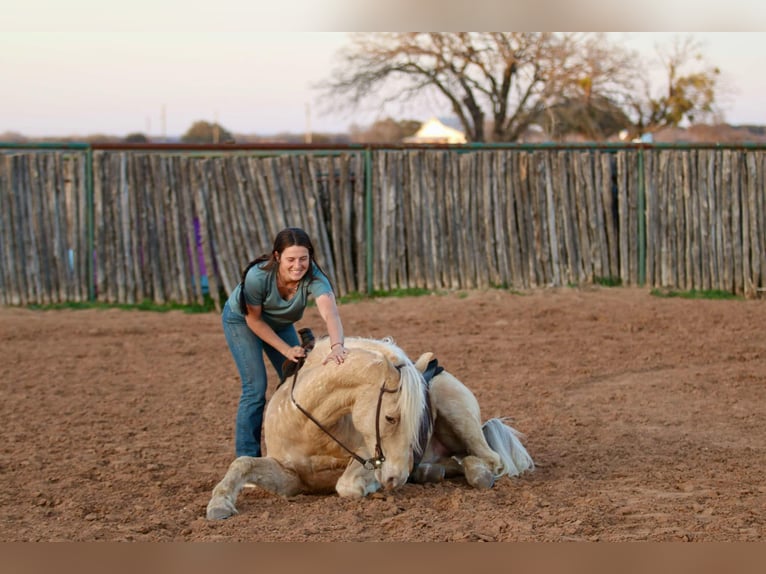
<point x="200" y="253"/>
<point x="200" y="257"/>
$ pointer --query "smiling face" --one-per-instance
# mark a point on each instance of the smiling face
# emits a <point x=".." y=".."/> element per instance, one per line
<point x="293" y="263"/>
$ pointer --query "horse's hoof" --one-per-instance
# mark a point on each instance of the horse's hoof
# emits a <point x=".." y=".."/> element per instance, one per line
<point x="223" y="509"/>
<point x="483" y="480"/>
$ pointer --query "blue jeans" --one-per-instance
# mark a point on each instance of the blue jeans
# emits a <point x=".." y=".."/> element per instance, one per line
<point x="248" y="349"/>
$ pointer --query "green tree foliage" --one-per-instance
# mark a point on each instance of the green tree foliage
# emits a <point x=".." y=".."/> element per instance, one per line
<point x="136" y="138"/>
<point x="689" y="92"/>
<point x="202" y="132"/>
<point x="594" y="118"/>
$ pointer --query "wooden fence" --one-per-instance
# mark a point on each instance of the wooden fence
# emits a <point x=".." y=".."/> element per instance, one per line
<point x="170" y="226"/>
<point x="706" y="224"/>
<point x="43" y="228"/>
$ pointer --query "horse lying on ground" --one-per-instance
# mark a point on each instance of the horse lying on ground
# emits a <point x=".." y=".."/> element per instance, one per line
<point x="362" y="426"/>
<point x="459" y="443"/>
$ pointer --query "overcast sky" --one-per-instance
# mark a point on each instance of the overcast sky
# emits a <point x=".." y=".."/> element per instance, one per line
<point x="78" y="67"/>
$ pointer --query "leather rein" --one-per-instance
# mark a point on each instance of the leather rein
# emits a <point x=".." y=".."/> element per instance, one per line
<point x="369" y="463"/>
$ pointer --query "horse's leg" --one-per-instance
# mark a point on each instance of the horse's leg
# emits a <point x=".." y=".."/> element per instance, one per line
<point x="477" y="447"/>
<point x="428" y="472"/>
<point x="480" y="453"/>
<point x="472" y="468"/>
<point x="458" y="424"/>
<point x="264" y="472"/>
<point x="436" y="470"/>
<point x="356" y="481"/>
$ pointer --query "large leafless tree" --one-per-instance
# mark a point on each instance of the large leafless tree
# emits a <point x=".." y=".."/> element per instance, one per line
<point x="495" y="83"/>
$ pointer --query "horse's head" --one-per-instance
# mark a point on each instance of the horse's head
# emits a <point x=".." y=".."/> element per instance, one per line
<point x="391" y="414"/>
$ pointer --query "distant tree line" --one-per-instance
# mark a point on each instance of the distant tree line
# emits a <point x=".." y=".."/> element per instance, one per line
<point x="391" y="131"/>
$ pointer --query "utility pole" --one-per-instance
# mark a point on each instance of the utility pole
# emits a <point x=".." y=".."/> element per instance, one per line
<point x="307" y="137"/>
<point x="163" y="120"/>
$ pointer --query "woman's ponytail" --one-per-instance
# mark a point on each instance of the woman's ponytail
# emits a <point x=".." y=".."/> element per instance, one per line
<point x="242" y="299"/>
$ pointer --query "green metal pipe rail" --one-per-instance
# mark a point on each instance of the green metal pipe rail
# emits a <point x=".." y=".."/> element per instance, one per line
<point x="366" y="150"/>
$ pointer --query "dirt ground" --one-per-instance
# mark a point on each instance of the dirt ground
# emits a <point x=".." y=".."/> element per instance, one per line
<point x="646" y="418"/>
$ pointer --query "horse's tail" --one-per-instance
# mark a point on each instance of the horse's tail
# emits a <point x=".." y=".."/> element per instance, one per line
<point x="505" y="441"/>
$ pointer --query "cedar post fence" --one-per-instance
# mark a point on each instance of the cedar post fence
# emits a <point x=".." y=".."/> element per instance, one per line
<point x="160" y="222"/>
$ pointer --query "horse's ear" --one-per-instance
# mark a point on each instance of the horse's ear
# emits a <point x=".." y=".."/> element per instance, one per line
<point x="423" y="361"/>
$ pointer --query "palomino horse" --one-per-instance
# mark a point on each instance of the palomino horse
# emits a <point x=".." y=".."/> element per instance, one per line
<point x="370" y="408"/>
<point x="360" y="427"/>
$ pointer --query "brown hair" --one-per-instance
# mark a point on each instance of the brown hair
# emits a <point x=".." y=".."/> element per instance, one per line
<point x="288" y="237"/>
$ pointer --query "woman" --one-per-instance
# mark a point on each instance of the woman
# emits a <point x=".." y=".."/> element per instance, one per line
<point x="259" y="317"/>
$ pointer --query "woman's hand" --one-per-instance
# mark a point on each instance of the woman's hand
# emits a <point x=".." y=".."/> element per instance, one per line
<point x="337" y="354"/>
<point x="295" y="353"/>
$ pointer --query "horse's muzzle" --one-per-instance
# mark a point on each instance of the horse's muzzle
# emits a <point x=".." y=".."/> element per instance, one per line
<point x="391" y="481"/>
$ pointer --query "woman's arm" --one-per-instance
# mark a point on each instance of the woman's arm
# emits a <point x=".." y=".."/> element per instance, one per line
<point x="267" y="335"/>
<point x="328" y="309"/>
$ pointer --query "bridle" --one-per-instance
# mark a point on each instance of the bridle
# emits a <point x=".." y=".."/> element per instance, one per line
<point x="369" y="463"/>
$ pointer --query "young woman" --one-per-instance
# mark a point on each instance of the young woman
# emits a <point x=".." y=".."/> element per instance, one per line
<point x="259" y="318"/>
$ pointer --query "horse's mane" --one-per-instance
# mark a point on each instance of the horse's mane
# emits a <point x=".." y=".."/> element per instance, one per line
<point x="411" y="396"/>
<point x="413" y="406"/>
<point x="412" y="400"/>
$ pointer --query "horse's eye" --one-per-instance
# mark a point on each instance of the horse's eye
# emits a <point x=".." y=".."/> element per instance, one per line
<point x="390" y="420"/>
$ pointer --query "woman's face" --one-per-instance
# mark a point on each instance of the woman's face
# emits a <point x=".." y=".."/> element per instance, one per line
<point x="294" y="263"/>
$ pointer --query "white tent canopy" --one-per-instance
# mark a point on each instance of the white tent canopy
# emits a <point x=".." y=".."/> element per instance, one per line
<point x="434" y="131"/>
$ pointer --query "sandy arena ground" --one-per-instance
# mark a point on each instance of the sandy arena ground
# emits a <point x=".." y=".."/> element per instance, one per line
<point x="646" y="418"/>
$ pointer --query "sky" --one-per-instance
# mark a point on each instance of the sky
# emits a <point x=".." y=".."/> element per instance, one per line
<point x="82" y="67"/>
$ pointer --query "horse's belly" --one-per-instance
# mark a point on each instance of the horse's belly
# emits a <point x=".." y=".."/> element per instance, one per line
<point x="436" y="450"/>
<point x="444" y="441"/>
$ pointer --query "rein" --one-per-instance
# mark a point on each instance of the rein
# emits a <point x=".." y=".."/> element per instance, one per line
<point x="370" y="463"/>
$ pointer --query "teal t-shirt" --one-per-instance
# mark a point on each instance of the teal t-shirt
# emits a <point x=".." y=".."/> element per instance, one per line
<point x="261" y="289"/>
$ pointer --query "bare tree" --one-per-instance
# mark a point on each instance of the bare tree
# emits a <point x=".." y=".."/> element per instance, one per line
<point x="690" y="91"/>
<point x="501" y="79"/>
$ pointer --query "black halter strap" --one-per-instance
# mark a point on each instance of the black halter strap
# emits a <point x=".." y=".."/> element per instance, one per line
<point x="369" y="463"/>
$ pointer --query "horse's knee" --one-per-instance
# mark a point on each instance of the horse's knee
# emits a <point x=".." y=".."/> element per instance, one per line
<point x="239" y="468"/>
<point x="356" y="488"/>
<point x="356" y="485"/>
<point x="350" y="490"/>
